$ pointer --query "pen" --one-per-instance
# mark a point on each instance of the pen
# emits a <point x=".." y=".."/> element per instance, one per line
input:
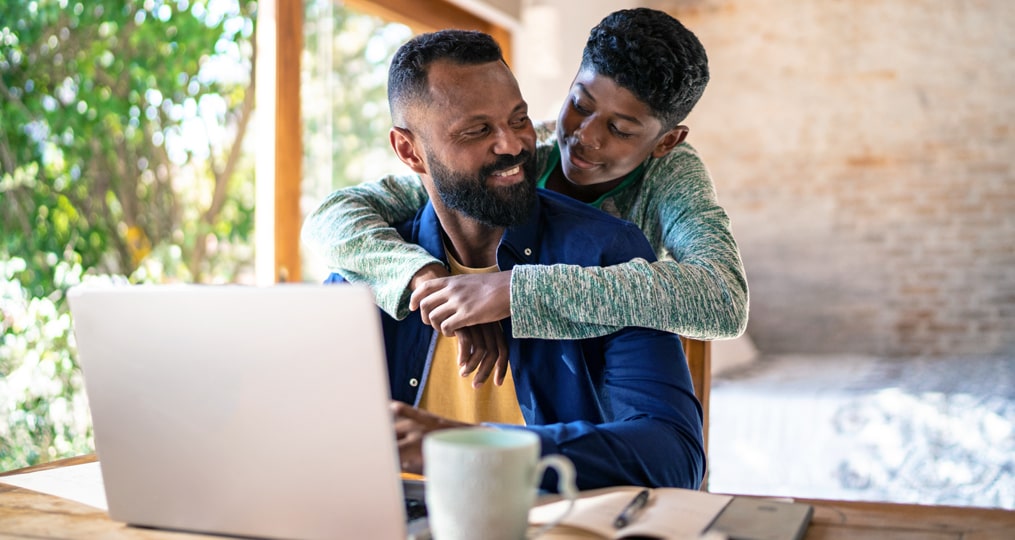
<point x="632" y="509"/>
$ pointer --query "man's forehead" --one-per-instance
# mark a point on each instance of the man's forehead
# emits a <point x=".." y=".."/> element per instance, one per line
<point x="459" y="88"/>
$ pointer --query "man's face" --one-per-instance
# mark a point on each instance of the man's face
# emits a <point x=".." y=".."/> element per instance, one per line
<point x="478" y="142"/>
<point x="493" y="205"/>
<point x="604" y="131"/>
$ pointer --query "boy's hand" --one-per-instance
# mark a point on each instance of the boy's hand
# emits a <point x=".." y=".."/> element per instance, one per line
<point x="452" y="303"/>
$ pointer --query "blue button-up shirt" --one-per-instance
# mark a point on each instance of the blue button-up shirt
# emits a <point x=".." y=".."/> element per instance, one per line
<point x="621" y="406"/>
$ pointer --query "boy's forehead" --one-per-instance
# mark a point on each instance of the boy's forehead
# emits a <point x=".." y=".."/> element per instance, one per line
<point x="605" y="89"/>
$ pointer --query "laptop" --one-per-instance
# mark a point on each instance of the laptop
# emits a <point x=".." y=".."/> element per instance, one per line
<point x="241" y="410"/>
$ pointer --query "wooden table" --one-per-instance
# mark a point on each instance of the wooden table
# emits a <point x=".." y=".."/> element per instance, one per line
<point x="26" y="514"/>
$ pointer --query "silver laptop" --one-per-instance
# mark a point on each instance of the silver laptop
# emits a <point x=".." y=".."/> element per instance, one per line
<point x="249" y="411"/>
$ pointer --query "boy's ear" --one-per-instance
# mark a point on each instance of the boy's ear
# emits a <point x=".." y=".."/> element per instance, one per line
<point x="404" y="143"/>
<point x="669" y="141"/>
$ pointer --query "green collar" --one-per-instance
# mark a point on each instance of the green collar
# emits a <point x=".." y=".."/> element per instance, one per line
<point x="554" y="162"/>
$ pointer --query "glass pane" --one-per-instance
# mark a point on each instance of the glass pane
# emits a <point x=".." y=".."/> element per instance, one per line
<point x="345" y="107"/>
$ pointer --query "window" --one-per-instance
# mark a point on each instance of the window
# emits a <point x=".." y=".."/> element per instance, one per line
<point x="306" y="164"/>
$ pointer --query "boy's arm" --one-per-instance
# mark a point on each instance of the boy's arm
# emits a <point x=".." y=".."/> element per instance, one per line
<point x="700" y="293"/>
<point x="351" y="231"/>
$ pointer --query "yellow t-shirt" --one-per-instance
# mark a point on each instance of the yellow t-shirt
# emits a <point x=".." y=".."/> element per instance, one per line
<point x="448" y="394"/>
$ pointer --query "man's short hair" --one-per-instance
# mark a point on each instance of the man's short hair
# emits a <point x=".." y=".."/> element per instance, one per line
<point x="407" y="75"/>
<point x="653" y="56"/>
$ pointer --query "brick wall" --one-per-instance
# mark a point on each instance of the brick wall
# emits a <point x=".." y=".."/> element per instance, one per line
<point x="864" y="150"/>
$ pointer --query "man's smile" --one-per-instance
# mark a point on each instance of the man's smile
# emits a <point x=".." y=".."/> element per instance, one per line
<point x="508" y="176"/>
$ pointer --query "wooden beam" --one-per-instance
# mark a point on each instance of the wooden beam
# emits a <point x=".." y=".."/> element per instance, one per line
<point x="430" y="15"/>
<point x="288" y="139"/>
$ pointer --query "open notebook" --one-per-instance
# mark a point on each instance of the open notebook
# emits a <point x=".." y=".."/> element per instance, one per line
<point x="674" y="514"/>
<point x="252" y="411"/>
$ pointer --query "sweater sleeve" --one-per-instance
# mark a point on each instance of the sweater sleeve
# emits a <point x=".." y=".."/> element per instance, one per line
<point x="697" y="289"/>
<point x="351" y="231"/>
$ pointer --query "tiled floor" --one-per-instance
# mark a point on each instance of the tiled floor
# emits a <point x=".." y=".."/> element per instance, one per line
<point x="930" y="431"/>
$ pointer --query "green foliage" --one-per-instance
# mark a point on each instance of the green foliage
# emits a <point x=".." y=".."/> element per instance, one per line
<point x="345" y="107"/>
<point x="41" y="395"/>
<point x="121" y="130"/>
<point x="123" y="157"/>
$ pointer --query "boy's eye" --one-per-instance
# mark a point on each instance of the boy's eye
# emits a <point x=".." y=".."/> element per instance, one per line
<point x="578" y="107"/>
<point x="622" y="134"/>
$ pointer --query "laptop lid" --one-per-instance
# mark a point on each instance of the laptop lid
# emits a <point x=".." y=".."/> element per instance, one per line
<point x="253" y="411"/>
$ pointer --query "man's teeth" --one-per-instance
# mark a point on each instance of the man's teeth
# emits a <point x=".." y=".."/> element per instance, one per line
<point x="509" y="172"/>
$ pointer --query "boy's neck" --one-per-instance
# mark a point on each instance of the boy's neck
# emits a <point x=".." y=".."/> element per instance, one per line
<point x="586" y="194"/>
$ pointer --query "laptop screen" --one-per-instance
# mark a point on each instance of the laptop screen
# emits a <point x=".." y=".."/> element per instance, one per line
<point x="257" y="411"/>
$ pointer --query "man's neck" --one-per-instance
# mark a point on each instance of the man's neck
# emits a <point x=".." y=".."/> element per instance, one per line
<point x="472" y="243"/>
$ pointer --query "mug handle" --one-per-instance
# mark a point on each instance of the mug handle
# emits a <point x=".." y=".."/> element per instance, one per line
<point x="565" y="485"/>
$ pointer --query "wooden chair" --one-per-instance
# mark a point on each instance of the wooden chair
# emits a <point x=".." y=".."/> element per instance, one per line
<point x="699" y="363"/>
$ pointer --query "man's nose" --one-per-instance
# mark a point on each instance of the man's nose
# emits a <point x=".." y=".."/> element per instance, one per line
<point x="508" y="141"/>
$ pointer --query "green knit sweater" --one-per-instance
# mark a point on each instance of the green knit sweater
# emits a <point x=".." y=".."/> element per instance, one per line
<point x="697" y="288"/>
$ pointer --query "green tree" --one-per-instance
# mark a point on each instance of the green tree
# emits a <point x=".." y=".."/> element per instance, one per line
<point x="121" y="136"/>
<point x="122" y="129"/>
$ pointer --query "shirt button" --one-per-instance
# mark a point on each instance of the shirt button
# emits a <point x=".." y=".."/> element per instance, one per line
<point x="528" y="252"/>
<point x="413" y="382"/>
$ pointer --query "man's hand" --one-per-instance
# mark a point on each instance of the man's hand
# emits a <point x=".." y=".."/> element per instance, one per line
<point x="482" y="349"/>
<point x="452" y="303"/>
<point x="468" y="307"/>
<point x="411" y="424"/>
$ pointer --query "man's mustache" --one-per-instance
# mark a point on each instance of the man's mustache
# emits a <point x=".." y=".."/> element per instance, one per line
<point x="506" y="162"/>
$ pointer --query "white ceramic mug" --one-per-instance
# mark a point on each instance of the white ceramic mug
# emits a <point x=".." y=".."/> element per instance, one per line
<point x="481" y="482"/>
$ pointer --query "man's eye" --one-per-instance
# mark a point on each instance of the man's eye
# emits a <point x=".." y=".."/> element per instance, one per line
<point x="520" y="122"/>
<point x="476" y="131"/>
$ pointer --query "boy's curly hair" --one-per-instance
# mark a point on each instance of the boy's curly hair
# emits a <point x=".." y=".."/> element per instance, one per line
<point x="652" y="55"/>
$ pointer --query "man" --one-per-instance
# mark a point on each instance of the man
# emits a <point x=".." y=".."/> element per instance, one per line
<point x="620" y="406"/>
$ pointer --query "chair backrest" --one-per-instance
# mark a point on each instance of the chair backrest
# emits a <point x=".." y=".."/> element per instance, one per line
<point x="699" y="363"/>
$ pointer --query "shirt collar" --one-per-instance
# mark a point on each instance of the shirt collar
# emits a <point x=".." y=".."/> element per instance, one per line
<point x="522" y="240"/>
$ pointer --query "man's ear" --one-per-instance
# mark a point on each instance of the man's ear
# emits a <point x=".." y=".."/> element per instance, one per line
<point x="404" y="143"/>
<point x="669" y="141"/>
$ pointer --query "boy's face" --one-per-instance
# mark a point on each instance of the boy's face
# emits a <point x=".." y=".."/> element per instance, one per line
<point x="604" y="131"/>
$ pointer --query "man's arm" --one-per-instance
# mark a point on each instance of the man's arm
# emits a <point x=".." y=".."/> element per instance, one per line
<point x="652" y="434"/>
<point x="700" y="292"/>
<point x="351" y="231"/>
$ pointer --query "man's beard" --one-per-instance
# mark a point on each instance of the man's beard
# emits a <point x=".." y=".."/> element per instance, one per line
<point x="497" y="207"/>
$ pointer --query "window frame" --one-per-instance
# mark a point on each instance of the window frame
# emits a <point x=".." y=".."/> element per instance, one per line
<point x="287" y="171"/>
